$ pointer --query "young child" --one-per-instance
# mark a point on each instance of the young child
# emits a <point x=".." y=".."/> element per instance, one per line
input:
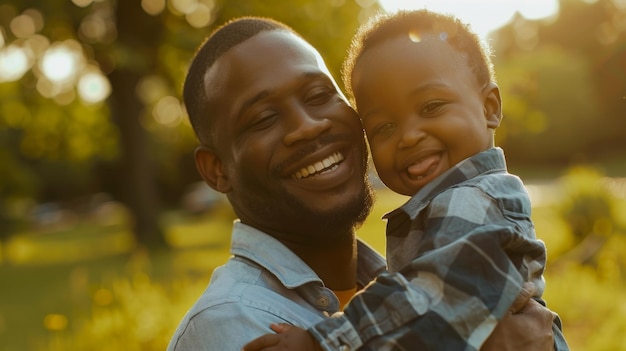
<point x="461" y="248"/>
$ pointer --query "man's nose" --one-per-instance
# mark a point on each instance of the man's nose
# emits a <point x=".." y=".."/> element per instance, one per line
<point x="304" y="125"/>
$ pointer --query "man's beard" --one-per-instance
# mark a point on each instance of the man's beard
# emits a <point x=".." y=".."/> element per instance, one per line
<point x="309" y="225"/>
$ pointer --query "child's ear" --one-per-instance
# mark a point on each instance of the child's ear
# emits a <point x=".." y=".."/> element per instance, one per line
<point x="492" y="105"/>
<point x="211" y="169"/>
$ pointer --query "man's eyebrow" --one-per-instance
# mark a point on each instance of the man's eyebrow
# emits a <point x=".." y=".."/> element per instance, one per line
<point x="253" y="100"/>
<point x="315" y="74"/>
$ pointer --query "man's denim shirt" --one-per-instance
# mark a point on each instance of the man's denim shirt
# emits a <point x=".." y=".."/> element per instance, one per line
<point x="263" y="283"/>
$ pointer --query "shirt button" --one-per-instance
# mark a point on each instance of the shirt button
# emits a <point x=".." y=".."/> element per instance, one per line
<point x="323" y="301"/>
<point x="344" y="348"/>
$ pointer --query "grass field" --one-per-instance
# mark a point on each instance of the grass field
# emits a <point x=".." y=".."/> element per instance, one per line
<point x="84" y="288"/>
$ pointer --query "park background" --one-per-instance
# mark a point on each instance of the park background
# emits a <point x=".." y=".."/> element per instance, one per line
<point x="107" y="234"/>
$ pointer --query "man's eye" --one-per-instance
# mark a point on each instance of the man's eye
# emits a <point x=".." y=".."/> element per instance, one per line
<point x="263" y="120"/>
<point x="320" y="95"/>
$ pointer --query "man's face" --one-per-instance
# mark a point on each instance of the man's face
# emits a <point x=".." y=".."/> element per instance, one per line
<point x="291" y="148"/>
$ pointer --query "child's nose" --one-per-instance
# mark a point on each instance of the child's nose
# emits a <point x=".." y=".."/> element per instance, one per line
<point x="411" y="136"/>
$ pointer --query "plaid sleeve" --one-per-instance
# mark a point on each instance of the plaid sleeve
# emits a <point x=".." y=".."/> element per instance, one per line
<point x="465" y="277"/>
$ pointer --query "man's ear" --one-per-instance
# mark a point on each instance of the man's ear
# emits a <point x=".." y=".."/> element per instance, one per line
<point x="492" y="105"/>
<point x="211" y="169"/>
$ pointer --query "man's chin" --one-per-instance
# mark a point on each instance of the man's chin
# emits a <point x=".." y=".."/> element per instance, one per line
<point x="346" y="217"/>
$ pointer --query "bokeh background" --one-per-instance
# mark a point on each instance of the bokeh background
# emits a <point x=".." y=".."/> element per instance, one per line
<point x="107" y="234"/>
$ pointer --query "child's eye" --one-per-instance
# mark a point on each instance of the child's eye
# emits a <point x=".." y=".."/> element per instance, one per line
<point x="432" y="108"/>
<point x="383" y="130"/>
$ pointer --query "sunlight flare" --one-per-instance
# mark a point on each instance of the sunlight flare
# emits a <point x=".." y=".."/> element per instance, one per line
<point x="484" y="16"/>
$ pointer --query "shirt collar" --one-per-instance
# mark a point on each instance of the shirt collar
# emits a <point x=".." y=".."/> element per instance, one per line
<point x="268" y="252"/>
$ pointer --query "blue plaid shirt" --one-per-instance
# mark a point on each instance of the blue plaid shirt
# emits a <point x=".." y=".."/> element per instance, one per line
<point x="458" y="253"/>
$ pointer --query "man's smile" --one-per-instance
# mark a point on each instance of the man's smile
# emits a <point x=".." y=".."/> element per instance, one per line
<point x="329" y="163"/>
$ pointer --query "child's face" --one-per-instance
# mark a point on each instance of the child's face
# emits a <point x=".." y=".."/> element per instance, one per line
<point x="423" y="110"/>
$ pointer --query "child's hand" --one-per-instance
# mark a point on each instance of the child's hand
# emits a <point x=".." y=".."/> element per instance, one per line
<point x="288" y="337"/>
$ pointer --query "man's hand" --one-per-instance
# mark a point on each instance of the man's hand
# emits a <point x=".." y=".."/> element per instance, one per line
<point x="527" y="326"/>
<point x="288" y="337"/>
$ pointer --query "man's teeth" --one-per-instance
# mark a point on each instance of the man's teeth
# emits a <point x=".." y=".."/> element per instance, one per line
<point x="323" y="165"/>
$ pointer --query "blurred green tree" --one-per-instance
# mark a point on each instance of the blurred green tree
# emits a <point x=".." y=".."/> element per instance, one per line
<point x="549" y="108"/>
<point x="568" y="74"/>
<point x="589" y="210"/>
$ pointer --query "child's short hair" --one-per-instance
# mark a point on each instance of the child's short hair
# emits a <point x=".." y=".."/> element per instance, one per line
<point x="417" y="24"/>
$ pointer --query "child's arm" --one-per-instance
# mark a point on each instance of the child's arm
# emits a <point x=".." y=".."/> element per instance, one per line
<point x="527" y="327"/>
<point x="464" y="278"/>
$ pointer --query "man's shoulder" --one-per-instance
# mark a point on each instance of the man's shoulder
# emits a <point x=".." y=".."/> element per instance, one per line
<point x="232" y="310"/>
<point x="242" y="299"/>
<point x="229" y="284"/>
<point x="226" y="324"/>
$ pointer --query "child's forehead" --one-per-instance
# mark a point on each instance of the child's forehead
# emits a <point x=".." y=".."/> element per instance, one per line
<point x="411" y="43"/>
<point x="404" y="64"/>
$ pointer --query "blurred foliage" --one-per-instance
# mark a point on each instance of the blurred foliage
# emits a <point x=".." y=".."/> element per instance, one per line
<point x="133" y="313"/>
<point x="538" y="127"/>
<point x="588" y="207"/>
<point x="563" y="84"/>
<point x="592" y="307"/>
<point x="590" y="210"/>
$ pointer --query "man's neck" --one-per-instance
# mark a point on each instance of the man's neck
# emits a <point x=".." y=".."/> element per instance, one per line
<point x="334" y="264"/>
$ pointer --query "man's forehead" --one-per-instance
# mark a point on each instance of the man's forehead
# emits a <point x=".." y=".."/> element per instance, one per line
<point x="280" y="44"/>
<point x="267" y="54"/>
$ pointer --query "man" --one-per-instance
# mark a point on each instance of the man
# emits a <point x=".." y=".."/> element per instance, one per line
<point x="279" y="139"/>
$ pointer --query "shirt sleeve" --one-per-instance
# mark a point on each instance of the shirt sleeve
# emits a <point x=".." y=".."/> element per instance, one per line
<point x="465" y="276"/>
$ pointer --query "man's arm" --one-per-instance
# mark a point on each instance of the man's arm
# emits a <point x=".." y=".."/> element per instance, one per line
<point x="527" y="326"/>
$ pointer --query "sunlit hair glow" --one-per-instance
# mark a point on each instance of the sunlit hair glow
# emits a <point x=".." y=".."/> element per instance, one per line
<point x="416" y="25"/>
